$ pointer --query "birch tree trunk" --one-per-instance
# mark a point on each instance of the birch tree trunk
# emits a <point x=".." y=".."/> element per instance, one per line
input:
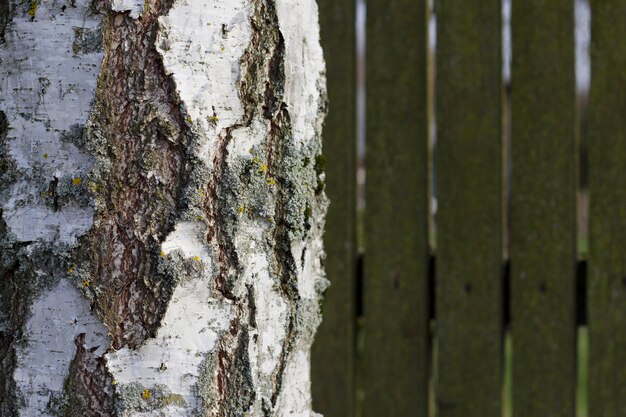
<point x="162" y="206"/>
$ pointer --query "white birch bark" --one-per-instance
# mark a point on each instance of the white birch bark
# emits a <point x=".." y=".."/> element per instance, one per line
<point x="162" y="206"/>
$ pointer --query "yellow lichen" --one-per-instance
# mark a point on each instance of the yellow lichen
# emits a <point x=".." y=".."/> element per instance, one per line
<point x="114" y="382"/>
<point x="162" y="253"/>
<point x="241" y="209"/>
<point x="263" y="168"/>
<point x="196" y="258"/>
<point x="86" y="283"/>
<point x="146" y="394"/>
<point x="32" y="10"/>
<point x="71" y="269"/>
<point x="77" y="181"/>
<point x="45" y="155"/>
<point x="271" y="181"/>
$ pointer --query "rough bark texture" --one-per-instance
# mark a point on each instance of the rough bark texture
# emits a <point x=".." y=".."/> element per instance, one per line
<point x="162" y="206"/>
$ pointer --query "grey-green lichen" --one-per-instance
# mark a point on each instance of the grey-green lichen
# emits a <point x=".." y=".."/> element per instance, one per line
<point x="137" y="397"/>
<point x="77" y="135"/>
<point x="301" y="185"/>
<point x="87" y="40"/>
<point x="225" y="383"/>
<point x="176" y="268"/>
<point x="66" y="190"/>
<point x="9" y="172"/>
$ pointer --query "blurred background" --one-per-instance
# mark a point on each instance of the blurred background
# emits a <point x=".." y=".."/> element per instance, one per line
<point x="476" y="238"/>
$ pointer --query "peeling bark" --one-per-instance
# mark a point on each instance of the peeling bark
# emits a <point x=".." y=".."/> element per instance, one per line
<point x="162" y="207"/>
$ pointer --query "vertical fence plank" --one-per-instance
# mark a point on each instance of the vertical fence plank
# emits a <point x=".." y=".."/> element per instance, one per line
<point x="607" y="187"/>
<point x="469" y="218"/>
<point x="543" y="208"/>
<point x="333" y="354"/>
<point x="396" y="232"/>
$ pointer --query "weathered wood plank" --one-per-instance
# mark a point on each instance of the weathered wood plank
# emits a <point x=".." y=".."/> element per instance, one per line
<point x="607" y="180"/>
<point x="543" y="208"/>
<point x="396" y="232"/>
<point x="469" y="218"/>
<point x="333" y="355"/>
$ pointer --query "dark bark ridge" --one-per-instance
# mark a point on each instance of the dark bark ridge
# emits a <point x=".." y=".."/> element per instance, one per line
<point x="88" y="389"/>
<point x="139" y="133"/>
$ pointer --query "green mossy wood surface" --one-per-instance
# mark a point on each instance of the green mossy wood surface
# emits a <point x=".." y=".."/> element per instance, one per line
<point x="607" y="179"/>
<point x="469" y="217"/>
<point x="333" y="355"/>
<point x="543" y="208"/>
<point x="396" y="263"/>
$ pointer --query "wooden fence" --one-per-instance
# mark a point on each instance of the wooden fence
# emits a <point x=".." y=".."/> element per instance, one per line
<point x="488" y="323"/>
